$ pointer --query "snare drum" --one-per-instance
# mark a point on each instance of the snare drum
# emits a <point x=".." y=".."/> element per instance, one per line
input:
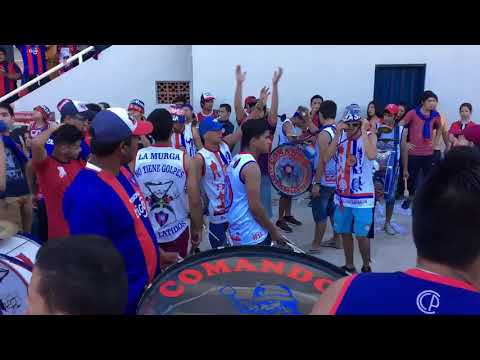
<point x="240" y="280"/>
<point x="290" y="169"/>
<point x="21" y="248"/>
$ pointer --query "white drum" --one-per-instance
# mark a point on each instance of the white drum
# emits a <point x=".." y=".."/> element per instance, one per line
<point x="13" y="286"/>
<point x="23" y="249"/>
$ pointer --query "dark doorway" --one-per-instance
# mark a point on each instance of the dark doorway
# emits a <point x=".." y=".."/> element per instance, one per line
<point x="399" y="83"/>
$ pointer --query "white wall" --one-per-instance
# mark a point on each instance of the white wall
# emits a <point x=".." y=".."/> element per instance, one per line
<point x="122" y="73"/>
<point x="343" y="73"/>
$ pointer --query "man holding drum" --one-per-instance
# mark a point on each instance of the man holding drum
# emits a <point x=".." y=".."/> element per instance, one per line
<point x="391" y="140"/>
<point x="356" y="149"/>
<point x="291" y="131"/>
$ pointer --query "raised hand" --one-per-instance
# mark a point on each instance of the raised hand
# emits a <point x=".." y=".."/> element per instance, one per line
<point x="277" y="75"/>
<point x="365" y="125"/>
<point x="239" y="75"/>
<point x="264" y="94"/>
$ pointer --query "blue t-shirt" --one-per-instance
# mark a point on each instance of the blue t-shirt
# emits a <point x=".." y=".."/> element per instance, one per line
<point x="414" y="292"/>
<point x="91" y="206"/>
<point x="16" y="182"/>
<point x="84" y="152"/>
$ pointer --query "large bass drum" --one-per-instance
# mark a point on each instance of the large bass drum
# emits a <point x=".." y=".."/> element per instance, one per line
<point x="240" y="280"/>
<point x="290" y="169"/>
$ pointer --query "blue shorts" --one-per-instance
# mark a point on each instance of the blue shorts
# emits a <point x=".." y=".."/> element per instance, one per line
<point x="323" y="206"/>
<point x="361" y="219"/>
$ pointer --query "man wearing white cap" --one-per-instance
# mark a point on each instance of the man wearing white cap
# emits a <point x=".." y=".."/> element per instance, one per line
<point x="206" y="102"/>
<point x="105" y="200"/>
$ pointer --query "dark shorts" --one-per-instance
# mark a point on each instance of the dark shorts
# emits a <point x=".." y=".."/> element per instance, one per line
<point x="323" y="206"/>
<point x="179" y="245"/>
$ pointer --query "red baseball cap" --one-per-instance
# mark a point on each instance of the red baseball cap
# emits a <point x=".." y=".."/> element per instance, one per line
<point x="250" y="100"/>
<point x="391" y="109"/>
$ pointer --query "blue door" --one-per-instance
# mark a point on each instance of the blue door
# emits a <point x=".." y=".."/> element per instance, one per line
<point x="399" y="83"/>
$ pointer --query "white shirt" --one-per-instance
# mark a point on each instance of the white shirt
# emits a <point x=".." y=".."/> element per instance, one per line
<point x="243" y="229"/>
<point x="161" y="176"/>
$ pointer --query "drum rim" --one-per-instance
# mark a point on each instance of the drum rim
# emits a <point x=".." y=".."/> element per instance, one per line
<point x="5" y="258"/>
<point x="253" y="250"/>
<point x="17" y="262"/>
<point x="276" y="188"/>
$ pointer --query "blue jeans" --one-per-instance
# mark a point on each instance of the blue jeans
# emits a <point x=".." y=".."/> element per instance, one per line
<point x="323" y="206"/>
<point x="220" y="232"/>
<point x="266" y="194"/>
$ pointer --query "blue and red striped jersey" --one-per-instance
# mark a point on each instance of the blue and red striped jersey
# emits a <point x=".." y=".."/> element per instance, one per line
<point x="413" y="292"/>
<point x="34" y="59"/>
<point x="93" y="206"/>
<point x="7" y="85"/>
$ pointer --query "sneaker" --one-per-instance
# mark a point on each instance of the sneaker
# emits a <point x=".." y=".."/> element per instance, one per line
<point x="292" y="220"/>
<point x="406" y="204"/>
<point x="283" y="225"/>
<point x="366" y="269"/>
<point x="389" y="229"/>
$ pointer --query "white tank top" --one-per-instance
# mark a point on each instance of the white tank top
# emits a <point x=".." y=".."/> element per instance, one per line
<point x="213" y="181"/>
<point x="243" y="229"/>
<point x="354" y="175"/>
<point x="161" y="176"/>
<point x="185" y="139"/>
<point x="329" y="177"/>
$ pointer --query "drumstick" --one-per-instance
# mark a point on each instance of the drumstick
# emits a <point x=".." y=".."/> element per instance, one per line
<point x="406" y="193"/>
<point x="292" y="245"/>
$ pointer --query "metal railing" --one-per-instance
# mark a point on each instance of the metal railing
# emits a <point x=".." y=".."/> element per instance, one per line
<point x="71" y="59"/>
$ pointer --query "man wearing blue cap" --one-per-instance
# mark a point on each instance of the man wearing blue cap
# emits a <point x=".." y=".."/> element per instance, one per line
<point x="211" y="163"/>
<point x="356" y="149"/>
<point x="75" y="113"/>
<point x="105" y="200"/>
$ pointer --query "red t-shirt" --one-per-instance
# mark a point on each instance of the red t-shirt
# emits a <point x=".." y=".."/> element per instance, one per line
<point x="457" y="127"/>
<point x="54" y="177"/>
<point x="423" y="147"/>
<point x="201" y="115"/>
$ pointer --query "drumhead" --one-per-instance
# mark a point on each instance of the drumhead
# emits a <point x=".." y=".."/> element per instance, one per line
<point x="290" y="170"/>
<point x="240" y="280"/>
<point x="13" y="287"/>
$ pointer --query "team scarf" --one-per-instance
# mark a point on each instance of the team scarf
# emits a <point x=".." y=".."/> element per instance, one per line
<point x="15" y="148"/>
<point x="144" y="237"/>
<point x="426" y="122"/>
